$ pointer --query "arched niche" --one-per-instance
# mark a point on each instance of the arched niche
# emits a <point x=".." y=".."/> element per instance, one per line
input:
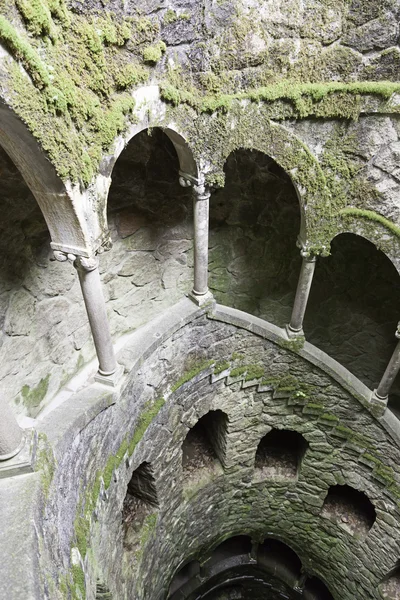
<point x="390" y="586"/>
<point x="279" y="455"/>
<point x="140" y="504"/>
<point x="353" y="309"/>
<point x="315" y="589"/>
<point x="254" y="224"/>
<point x="150" y="266"/>
<point x="279" y="560"/>
<point x="203" y="449"/>
<point x="349" y="508"/>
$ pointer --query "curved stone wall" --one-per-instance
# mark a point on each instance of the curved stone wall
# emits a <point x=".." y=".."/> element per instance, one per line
<point x="260" y="385"/>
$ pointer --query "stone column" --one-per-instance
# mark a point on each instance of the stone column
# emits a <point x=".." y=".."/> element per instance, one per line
<point x="89" y="278"/>
<point x="201" y="202"/>
<point x="295" y="327"/>
<point x="11" y="435"/>
<point x="381" y="394"/>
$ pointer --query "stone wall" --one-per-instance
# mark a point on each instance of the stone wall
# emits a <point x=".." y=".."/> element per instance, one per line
<point x="45" y="334"/>
<point x="254" y="262"/>
<point x="259" y="385"/>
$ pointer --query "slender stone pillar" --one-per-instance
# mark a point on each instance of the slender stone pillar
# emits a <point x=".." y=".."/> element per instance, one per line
<point x="201" y="202"/>
<point x="295" y="327"/>
<point x="11" y="435"/>
<point x="89" y="277"/>
<point x="381" y="394"/>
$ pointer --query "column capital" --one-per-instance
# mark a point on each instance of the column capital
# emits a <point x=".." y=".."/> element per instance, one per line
<point x="86" y="264"/>
<point x="310" y="251"/>
<point x="188" y="180"/>
<point x="306" y="251"/>
<point x="397" y="333"/>
<point x="200" y="189"/>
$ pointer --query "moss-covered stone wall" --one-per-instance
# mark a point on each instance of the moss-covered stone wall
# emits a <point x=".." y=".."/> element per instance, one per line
<point x="260" y="386"/>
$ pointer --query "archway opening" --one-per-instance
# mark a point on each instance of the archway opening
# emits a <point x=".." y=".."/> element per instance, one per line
<point x="390" y="587"/>
<point x="350" y="509"/>
<point x="139" y="504"/>
<point x="254" y="223"/>
<point x="204" y="446"/>
<point x="353" y="309"/>
<point x="315" y="589"/>
<point x="150" y="266"/>
<point x="280" y="560"/>
<point x="279" y="455"/>
<point x="238" y="569"/>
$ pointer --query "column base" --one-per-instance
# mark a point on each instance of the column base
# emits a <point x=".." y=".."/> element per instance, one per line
<point x="112" y="380"/>
<point x="294" y="333"/>
<point x="202" y="299"/>
<point x="378" y="404"/>
<point x="21" y="463"/>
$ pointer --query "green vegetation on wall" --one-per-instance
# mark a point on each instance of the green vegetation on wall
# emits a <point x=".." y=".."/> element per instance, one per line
<point x="77" y="104"/>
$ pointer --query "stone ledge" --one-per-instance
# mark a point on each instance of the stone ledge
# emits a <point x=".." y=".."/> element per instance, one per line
<point x="313" y="355"/>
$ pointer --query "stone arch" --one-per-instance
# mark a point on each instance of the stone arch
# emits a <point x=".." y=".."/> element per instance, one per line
<point x="379" y="234"/>
<point x="279" y="558"/>
<point x="364" y="291"/>
<point x="254" y="226"/>
<point x="390" y="586"/>
<point x="289" y="152"/>
<point x="73" y="224"/>
<point x="185" y="155"/>
<point x="205" y="443"/>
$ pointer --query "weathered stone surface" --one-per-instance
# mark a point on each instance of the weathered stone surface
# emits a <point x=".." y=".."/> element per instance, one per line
<point x="339" y="435"/>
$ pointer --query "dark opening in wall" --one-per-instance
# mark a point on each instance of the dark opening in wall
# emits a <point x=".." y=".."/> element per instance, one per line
<point x="140" y="502"/>
<point x="353" y="308"/>
<point x="205" y="443"/>
<point x="238" y="545"/>
<point x="394" y="404"/>
<point x="280" y="560"/>
<point x="254" y="223"/>
<point x="279" y="454"/>
<point x="350" y="508"/>
<point x="390" y="587"/>
<point x="185" y="574"/>
<point x="150" y="266"/>
<point x="315" y="589"/>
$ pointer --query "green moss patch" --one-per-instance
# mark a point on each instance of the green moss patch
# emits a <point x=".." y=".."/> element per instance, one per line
<point x="32" y="397"/>
<point x="371" y="216"/>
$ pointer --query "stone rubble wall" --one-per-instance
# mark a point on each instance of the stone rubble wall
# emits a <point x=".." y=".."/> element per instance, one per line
<point x="346" y="446"/>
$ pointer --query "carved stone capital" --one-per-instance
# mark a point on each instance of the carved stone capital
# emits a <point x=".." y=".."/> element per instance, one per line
<point x="306" y="251"/>
<point x="202" y="192"/>
<point x="310" y="252"/>
<point x="397" y="334"/>
<point x="187" y="180"/>
<point x="86" y="264"/>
